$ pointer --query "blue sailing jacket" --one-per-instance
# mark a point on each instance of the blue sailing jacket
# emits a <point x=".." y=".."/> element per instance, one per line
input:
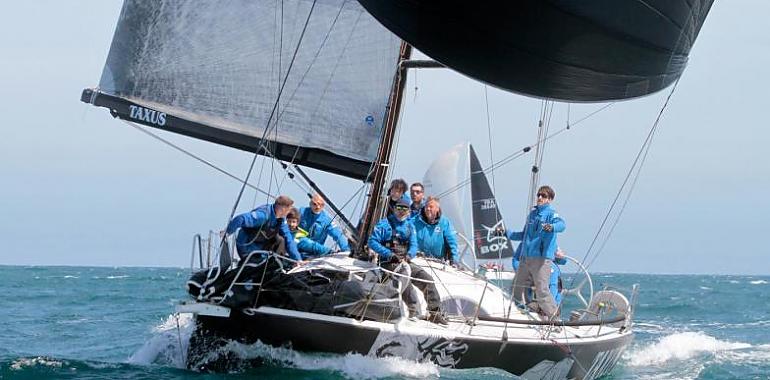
<point x="383" y="234"/>
<point x="434" y="239"/>
<point x="416" y="208"/>
<point x="308" y="248"/>
<point x="253" y="226"/>
<point x="536" y="242"/>
<point x="320" y="226"/>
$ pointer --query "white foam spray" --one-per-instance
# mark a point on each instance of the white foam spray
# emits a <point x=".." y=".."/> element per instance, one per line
<point x="353" y="366"/>
<point x="168" y="344"/>
<point x="164" y="348"/>
<point x="682" y="346"/>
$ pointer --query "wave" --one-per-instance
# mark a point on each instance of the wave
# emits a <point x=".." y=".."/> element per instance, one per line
<point x="758" y="282"/>
<point x="169" y="344"/>
<point x="353" y="366"/>
<point x="39" y="361"/>
<point x="682" y="346"/>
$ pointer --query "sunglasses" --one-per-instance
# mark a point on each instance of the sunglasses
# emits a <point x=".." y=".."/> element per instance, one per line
<point x="543" y="195"/>
<point x="402" y="208"/>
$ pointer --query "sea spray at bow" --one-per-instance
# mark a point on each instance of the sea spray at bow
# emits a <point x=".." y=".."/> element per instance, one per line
<point x="163" y="348"/>
<point x="168" y="345"/>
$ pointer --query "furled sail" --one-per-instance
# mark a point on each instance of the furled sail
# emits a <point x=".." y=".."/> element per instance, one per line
<point x="214" y="70"/>
<point x="589" y="50"/>
<point x="456" y="176"/>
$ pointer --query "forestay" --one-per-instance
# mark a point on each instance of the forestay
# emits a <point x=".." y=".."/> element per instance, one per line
<point x="214" y="70"/>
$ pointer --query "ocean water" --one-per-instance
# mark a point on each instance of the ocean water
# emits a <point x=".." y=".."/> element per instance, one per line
<point x="117" y="323"/>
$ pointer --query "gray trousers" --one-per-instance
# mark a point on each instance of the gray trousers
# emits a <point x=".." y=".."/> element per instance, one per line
<point x="535" y="271"/>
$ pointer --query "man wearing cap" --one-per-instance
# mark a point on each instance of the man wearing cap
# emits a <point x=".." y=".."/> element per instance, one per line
<point x="395" y="241"/>
<point x="396" y="192"/>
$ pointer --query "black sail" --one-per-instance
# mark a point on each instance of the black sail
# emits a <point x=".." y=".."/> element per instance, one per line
<point x="486" y="217"/>
<point x="214" y="69"/>
<point x="582" y="51"/>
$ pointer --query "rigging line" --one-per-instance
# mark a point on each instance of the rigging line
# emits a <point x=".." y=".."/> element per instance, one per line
<point x="261" y="144"/>
<point x="513" y="156"/>
<point x="278" y="102"/>
<point x="287" y="173"/>
<point x="259" y="181"/>
<point x="625" y="202"/>
<point x="489" y="138"/>
<point x="636" y="162"/>
<point x="272" y="113"/>
<point x="315" y="58"/>
<point x="301" y="81"/>
<point x="337" y="61"/>
<point x="617" y="216"/>
<point x="188" y="153"/>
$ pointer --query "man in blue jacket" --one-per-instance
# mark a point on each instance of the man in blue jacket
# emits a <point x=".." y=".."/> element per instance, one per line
<point x="265" y="228"/>
<point x="319" y="224"/>
<point x="417" y="194"/>
<point x="537" y="251"/>
<point x="435" y="233"/>
<point x="395" y="241"/>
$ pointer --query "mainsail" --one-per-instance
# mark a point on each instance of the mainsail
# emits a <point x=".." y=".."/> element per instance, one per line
<point x="594" y="50"/>
<point x="213" y="71"/>
<point x="457" y="177"/>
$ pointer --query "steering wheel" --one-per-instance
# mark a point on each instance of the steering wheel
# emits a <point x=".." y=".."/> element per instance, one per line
<point x="578" y="290"/>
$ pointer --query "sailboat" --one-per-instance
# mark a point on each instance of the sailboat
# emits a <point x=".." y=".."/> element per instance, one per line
<point x="457" y="178"/>
<point x="319" y="84"/>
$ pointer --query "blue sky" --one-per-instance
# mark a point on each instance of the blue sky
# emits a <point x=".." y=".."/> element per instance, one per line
<point x="81" y="188"/>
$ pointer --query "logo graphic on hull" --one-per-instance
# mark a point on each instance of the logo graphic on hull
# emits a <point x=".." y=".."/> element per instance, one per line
<point x="442" y="351"/>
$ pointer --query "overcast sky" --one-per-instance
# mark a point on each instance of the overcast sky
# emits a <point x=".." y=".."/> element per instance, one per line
<point x="81" y="188"/>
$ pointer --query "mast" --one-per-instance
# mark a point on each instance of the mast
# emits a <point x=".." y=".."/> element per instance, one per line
<point x="374" y="205"/>
<point x="542" y="133"/>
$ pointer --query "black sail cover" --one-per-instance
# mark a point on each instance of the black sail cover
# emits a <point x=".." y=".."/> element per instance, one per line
<point x="572" y="50"/>
<point x="213" y="70"/>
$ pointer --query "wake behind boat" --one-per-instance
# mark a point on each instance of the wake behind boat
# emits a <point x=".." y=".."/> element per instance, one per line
<point x="314" y="308"/>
